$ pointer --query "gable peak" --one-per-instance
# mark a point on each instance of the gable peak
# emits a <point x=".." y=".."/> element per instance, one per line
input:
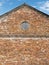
<point x="25" y="4"/>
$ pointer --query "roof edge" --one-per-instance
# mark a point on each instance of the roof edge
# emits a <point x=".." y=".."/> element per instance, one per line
<point x="21" y="5"/>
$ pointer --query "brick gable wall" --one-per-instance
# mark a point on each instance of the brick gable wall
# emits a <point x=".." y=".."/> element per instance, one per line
<point x="38" y="23"/>
<point x="24" y="47"/>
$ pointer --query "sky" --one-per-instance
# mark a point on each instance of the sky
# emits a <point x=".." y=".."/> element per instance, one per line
<point x="7" y="5"/>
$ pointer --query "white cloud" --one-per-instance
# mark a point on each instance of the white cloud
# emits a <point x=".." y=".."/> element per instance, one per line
<point x="44" y="5"/>
<point x="1" y="3"/>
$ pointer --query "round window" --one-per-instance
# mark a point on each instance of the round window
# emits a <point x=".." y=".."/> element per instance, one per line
<point x="24" y="25"/>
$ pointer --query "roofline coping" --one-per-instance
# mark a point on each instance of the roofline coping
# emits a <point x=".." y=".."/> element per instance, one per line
<point x="24" y="4"/>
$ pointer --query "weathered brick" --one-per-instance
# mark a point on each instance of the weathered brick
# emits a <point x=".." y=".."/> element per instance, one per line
<point x="24" y="51"/>
<point x="0" y="63"/>
<point x="10" y="63"/>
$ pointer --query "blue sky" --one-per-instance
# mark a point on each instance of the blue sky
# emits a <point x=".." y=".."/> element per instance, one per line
<point x="7" y="5"/>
